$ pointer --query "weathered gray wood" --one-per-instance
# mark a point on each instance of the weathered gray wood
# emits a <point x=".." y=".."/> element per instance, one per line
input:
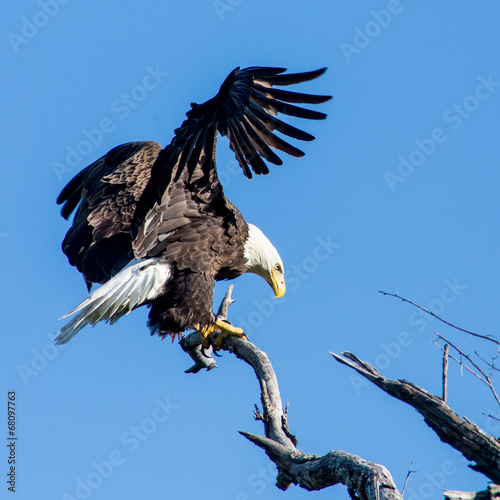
<point x="269" y="391"/>
<point x="493" y="492"/>
<point x="366" y="480"/>
<point x="202" y="358"/>
<point x="475" y="444"/>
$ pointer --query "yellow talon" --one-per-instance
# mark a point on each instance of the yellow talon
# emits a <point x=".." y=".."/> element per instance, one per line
<point x="225" y="329"/>
<point x="205" y="333"/>
<point x="228" y="328"/>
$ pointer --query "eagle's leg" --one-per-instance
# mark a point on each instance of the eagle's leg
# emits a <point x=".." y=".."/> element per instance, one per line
<point x="225" y="329"/>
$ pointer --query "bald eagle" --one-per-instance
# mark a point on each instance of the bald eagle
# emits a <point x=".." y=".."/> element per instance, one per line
<point x="153" y="225"/>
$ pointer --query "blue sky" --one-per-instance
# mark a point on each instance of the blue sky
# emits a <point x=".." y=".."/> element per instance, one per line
<point x="399" y="192"/>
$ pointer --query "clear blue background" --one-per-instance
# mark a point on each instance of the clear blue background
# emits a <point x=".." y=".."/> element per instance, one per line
<point x="78" y="406"/>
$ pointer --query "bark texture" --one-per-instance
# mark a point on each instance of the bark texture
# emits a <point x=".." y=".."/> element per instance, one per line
<point x="492" y="493"/>
<point x="466" y="437"/>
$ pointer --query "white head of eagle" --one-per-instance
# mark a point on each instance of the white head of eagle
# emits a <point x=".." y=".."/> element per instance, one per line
<point x="153" y="225"/>
<point x="264" y="260"/>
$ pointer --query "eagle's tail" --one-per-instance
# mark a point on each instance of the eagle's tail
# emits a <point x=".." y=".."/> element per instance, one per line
<point x="138" y="283"/>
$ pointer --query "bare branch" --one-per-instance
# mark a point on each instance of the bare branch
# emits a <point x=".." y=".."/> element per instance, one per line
<point x="480" y="374"/>
<point x="311" y="472"/>
<point x="270" y="395"/>
<point x="491" y="493"/>
<point x="286" y="428"/>
<point x="491" y="416"/>
<point x="461" y="363"/>
<point x="491" y="338"/>
<point x="365" y="480"/>
<point x="257" y="415"/>
<point x="202" y="358"/>
<point x="410" y="471"/>
<point x="491" y="365"/>
<point x="445" y="372"/>
<point x="462" y="434"/>
<point x="226" y="302"/>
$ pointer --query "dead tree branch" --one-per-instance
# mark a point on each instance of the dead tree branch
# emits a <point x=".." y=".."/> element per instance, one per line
<point x="479" y="373"/>
<point x="492" y="493"/>
<point x="462" y="434"/>
<point x="410" y="471"/>
<point x="273" y="416"/>
<point x="445" y="372"/>
<point x="490" y="338"/>
<point x="364" y="480"/>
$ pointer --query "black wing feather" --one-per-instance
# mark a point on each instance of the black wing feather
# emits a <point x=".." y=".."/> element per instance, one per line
<point x="263" y="71"/>
<point x="71" y="194"/>
<point x="293" y="78"/>
<point x="235" y="146"/>
<point x="287" y="96"/>
<point x="273" y="140"/>
<point x="249" y="149"/>
<point x="273" y="123"/>
<point x="285" y="108"/>
<point x="259" y="144"/>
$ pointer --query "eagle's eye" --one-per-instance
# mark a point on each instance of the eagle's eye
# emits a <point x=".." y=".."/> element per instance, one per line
<point x="277" y="267"/>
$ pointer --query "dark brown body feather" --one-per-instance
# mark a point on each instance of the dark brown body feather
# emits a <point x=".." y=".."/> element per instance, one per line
<point x="139" y="201"/>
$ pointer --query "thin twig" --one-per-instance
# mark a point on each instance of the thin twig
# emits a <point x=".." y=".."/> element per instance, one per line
<point x="483" y="376"/>
<point x="226" y="302"/>
<point x="491" y="365"/>
<point x="286" y="428"/>
<point x="491" y="416"/>
<point x="257" y="415"/>
<point x="466" y="356"/>
<point x="445" y="372"/>
<point x="491" y="338"/>
<point x="461" y="363"/>
<point x="407" y="478"/>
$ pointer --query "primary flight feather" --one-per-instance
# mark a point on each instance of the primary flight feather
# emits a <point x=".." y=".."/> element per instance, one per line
<point x="153" y="225"/>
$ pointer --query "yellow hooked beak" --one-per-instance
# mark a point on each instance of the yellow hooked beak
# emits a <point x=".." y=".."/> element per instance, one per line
<point x="278" y="284"/>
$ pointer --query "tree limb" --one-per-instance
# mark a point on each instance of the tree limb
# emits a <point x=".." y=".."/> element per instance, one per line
<point x="462" y="434"/>
<point x="274" y="419"/>
<point x="493" y="492"/>
<point x="367" y="480"/>
<point x="364" y="480"/>
<point x="491" y="338"/>
<point x="479" y="373"/>
<point x="273" y="414"/>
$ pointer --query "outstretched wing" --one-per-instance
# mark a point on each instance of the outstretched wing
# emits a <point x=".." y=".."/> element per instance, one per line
<point x="248" y="109"/>
<point x="99" y="243"/>
<point x="184" y="189"/>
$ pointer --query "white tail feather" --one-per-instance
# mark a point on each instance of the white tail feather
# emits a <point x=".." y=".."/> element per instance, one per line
<point x="133" y="286"/>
